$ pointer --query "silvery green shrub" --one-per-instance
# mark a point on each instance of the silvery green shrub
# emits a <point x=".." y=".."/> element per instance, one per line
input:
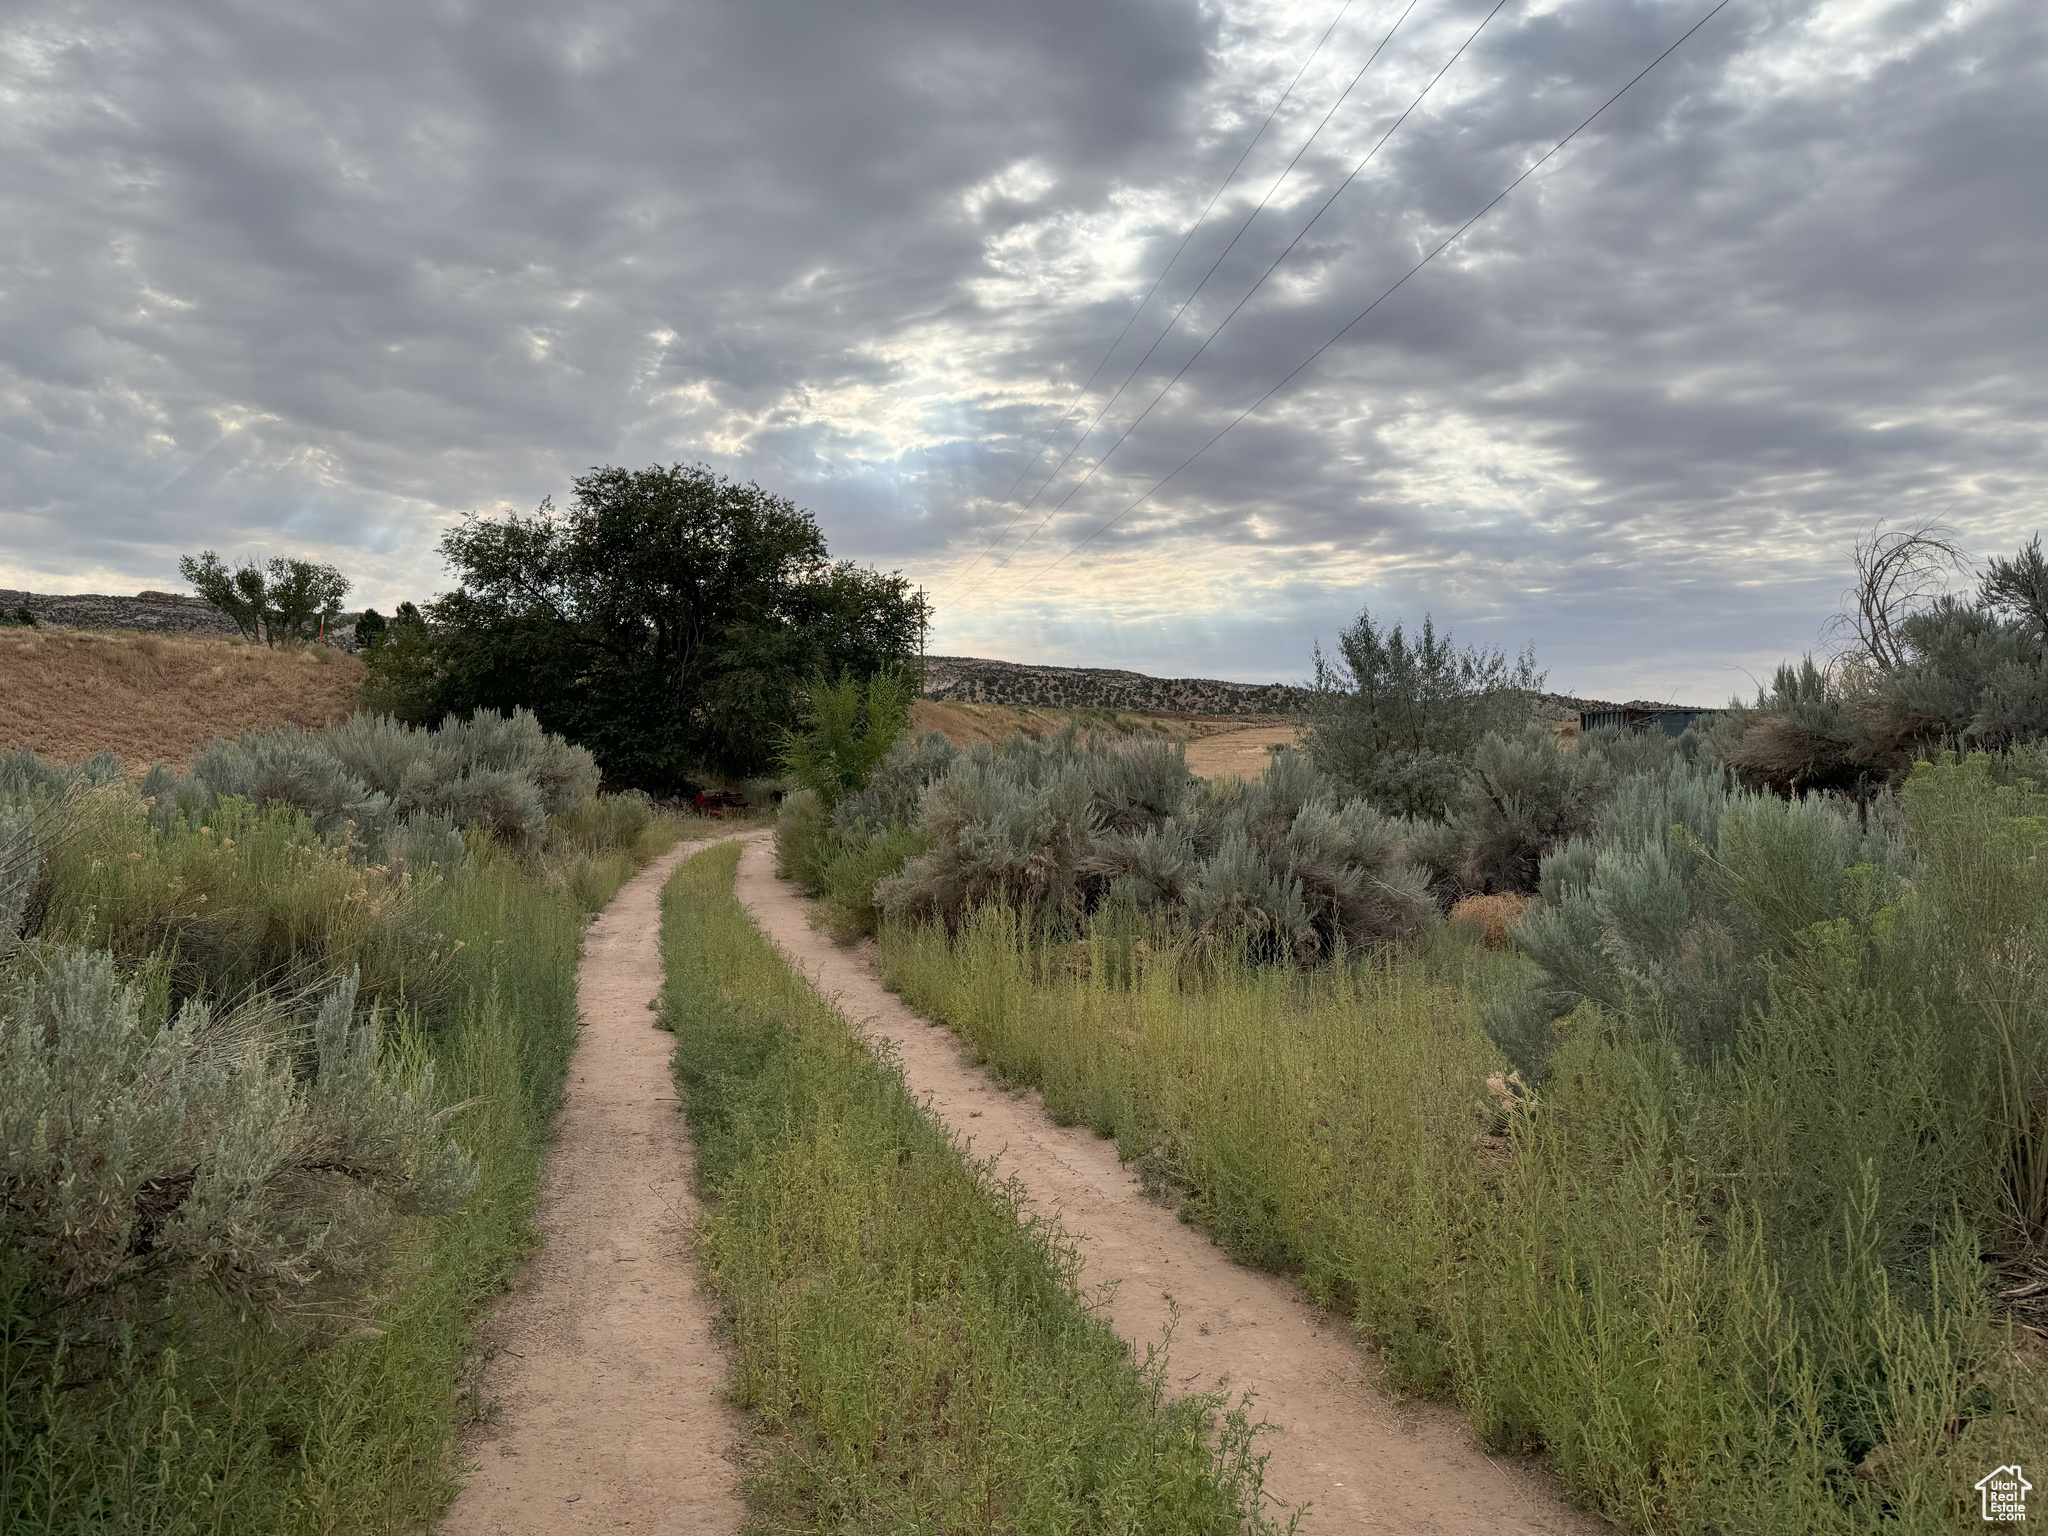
<point x="369" y="776"/>
<point x="896" y="784"/>
<point x="1007" y="825"/>
<point x="293" y="766"/>
<point x="1670" y="914"/>
<point x="562" y="774"/>
<point x="26" y="776"/>
<point x="264" y="1162"/>
<point x="1525" y="794"/>
<point x="1059" y="826"/>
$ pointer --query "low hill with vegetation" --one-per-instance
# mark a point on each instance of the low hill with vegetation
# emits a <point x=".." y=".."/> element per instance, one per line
<point x="973" y="680"/>
<point x="156" y="613"/>
<point x="68" y="693"/>
<point x="981" y="681"/>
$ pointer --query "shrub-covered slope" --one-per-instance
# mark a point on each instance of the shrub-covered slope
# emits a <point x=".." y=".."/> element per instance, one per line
<point x="276" y="1101"/>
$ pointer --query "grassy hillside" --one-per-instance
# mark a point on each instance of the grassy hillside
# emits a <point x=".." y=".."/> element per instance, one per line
<point x="71" y="692"/>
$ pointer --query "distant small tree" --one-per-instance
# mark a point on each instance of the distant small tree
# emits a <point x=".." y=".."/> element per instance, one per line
<point x="371" y="629"/>
<point x="281" y="603"/>
<point x="1396" y="717"/>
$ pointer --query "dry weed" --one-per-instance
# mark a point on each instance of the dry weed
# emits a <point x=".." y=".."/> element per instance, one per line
<point x="1494" y="915"/>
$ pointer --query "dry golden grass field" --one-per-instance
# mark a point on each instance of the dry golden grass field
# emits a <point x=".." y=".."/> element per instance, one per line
<point x="71" y="692"/>
<point x="1216" y="747"/>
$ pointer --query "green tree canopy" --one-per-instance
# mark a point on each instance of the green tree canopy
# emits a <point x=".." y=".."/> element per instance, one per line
<point x="281" y="603"/>
<point x="667" y="620"/>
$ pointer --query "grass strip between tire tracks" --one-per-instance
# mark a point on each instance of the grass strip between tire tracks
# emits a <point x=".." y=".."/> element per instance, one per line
<point x="910" y="1343"/>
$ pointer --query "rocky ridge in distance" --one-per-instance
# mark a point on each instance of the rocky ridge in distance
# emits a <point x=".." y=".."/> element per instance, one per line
<point x="977" y="680"/>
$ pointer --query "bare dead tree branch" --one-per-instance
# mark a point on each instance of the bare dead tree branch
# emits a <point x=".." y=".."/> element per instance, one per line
<point x="1898" y="571"/>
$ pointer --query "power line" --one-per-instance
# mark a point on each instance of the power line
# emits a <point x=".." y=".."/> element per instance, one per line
<point x="1388" y="293"/>
<point x="1271" y="268"/>
<point x="1174" y="319"/>
<point x="1216" y="196"/>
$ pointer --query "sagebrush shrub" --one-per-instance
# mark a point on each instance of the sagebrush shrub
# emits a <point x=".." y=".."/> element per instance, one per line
<point x="1056" y="828"/>
<point x="24" y="776"/>
<point x="1670" y="914"/>
<point x="1009" y="825"/>
<point x="843" y="853"/>
<point x="255" y="1149"/>
<point x="292" y="767"/>
<point x="1527" y="793"/>
<point x="368" y="776"/>
<point x="137" y="1157"/>
<point x="896" y="784"/>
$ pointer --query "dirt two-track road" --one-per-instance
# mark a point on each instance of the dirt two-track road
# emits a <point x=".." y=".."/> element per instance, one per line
<point x="609" y="1375"/>
<point x="607" y="1379"/>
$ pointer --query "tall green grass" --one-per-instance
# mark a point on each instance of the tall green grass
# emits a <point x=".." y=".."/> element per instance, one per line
<point x="213" y="1423"/>
<point x="910" y="1344"/>
<point x="1744" y="1296"/>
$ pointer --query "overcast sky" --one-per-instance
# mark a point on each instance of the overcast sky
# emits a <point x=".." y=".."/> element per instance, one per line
<point x="322" y="278"/>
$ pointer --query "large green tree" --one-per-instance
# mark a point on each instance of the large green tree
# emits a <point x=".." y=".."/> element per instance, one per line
<point x="667" y="619"/>
<point x="287" y="602"/>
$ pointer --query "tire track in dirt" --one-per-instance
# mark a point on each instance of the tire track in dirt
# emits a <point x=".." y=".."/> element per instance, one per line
<point x="1363" y="1462"/>
<point x="610" y="1381"/>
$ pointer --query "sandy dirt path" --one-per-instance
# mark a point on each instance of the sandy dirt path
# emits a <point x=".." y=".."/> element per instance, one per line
<point x="1241" y="753"/>
<point x="1363" y="1462"/>
<point x="611" y="1386"/>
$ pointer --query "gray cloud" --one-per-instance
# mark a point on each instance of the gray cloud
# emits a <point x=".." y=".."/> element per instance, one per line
<point x="327" y="280"/>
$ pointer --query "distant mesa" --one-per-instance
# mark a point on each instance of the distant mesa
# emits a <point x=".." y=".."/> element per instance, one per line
<point x="162" y="613"/>
<point x="154" y="613"/>
<point x="976" y="680"/>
